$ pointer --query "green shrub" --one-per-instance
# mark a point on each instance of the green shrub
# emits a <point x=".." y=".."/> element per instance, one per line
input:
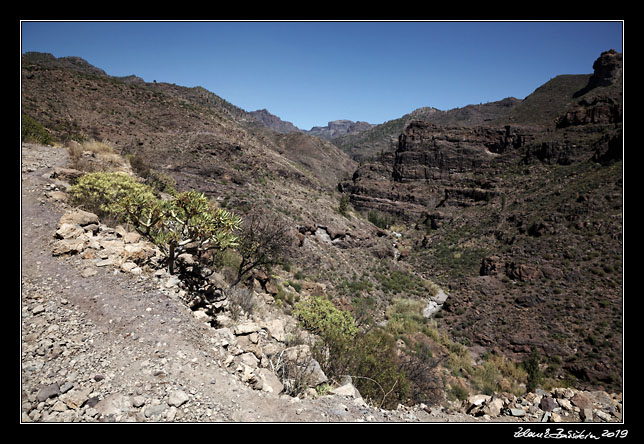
<point x="460" y="392"/>
<point x="299" y="275"/>
<point x="33" y="131"/>
<point x="381" y="220"/>
<point x="534" y="373"/>
<point x="265" y="240"/>
<point x="396" y="281"/>
<point x="321" y="317"/>
<point x="355" y="287"/>
<point x="296" y="286"/>
<point x="105" y="194"/>
<point x="405" y="316"/>
<point x="369" y="358"/>
<point x="188" y="218"/>
<point x="343" y="207"/>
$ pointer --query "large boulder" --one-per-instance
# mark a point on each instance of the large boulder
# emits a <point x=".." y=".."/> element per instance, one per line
<point x="78" y="217"/>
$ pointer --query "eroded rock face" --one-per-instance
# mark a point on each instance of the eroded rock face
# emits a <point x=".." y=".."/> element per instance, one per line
<point x="600" y="102"/>
<point x="426" y="150"/>
<point x="426" y="169"/>
<point x="607" y="69"/>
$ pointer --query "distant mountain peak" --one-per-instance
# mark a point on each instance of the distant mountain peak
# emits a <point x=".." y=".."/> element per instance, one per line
<point x="273" y="122"/>
<point x="337" y="128"/>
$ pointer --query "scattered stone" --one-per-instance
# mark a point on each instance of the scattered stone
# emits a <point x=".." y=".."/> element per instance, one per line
<point x="67" y="231"/>
<point x="494" y="407"/>
<point x="114" y="404"/>
<point x="548" y="404"/>
<point x="201" y="315"/>
<point x="76" y="398"/>
<point x="48" y="391"/>
<point x="607" y="417"/>
<point x="555" y="417"/>
<point x="66" y="387"/>
<point x="477" y="401"/>
<point x="89" y="272"/>
<point x="128" y="266"/>
<point x="586" y="415"/>
<point x="275" y="328"/>
<point x="91" y="402"/>
<point x="59" y="406"/>
<point x="178" y="398"/>
<point x="346" y="390"/>
<point x="173" y="281"/>
<point x="154" y="410"/>
<point x="269" y="381"/>
<point x="582" y="401"/>
<point x="68" y="246"/>
<point x="246" y="328"/>
<point x="131" y="237"/>
<point x="565" y="404"/>
<point x="105" y="262"/>
<point x="78" y="217"/>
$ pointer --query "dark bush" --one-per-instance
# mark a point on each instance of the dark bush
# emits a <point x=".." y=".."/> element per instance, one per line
<point x="33" y="131"/>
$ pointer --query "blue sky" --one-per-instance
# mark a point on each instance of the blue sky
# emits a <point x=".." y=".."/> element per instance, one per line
<point x="310" y="73"/>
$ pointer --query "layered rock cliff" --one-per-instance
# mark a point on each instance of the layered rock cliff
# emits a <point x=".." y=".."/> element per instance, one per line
<point x="521" y="220"/>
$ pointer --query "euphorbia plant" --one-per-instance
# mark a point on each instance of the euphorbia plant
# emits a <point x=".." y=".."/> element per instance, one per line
<point x="187" y="218"/>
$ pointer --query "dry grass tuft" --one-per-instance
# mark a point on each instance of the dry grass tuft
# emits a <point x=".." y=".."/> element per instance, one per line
<point x="93" y="155"/>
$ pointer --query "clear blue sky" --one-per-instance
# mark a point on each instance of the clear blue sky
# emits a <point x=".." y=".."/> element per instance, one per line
<point x="310" y="73"/>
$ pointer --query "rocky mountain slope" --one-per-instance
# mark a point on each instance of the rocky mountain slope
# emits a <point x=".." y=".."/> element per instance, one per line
<point x="522" y="219"/>
<point x="273" y="122"/>
<point x="103" y="341"/>
<point x="102" y="344"/>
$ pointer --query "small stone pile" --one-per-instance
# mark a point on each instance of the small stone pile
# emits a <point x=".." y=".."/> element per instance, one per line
<point x="79" y="232"/>
<point x="556" y="405"/>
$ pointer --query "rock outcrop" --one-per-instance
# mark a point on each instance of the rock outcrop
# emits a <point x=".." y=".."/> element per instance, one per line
<point x="339" y="128"/>
<point x="273" y="122"/>
<point x="427" y="169"/>
<point x="600" y="102"/>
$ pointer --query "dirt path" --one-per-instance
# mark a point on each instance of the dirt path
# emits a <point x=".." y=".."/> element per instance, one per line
<point x="114" y="347"/>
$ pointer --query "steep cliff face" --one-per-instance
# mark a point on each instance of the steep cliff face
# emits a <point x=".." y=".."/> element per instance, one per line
<point x="600" y="101"/>
<point x="521" y="219"/>
<point x="427" y="151"/>
<point x="431" y="168"/>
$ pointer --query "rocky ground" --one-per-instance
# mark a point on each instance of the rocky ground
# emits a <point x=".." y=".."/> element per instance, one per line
<point x="103" y="343"/>
<point x="114" y="346"/>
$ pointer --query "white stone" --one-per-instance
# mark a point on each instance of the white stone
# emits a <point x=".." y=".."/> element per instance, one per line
<point x="178" y="398"/>
<point x="246" y="328"/>
<point x="269" y="381"/>
<point x="201" y="315"/>
<point x="346" y="390"/>
<point x="114" y="404"/>
<point x="276" y="329"/>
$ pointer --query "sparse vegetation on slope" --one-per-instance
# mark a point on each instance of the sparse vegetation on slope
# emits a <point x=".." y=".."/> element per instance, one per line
<point x="522" y="224"/>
